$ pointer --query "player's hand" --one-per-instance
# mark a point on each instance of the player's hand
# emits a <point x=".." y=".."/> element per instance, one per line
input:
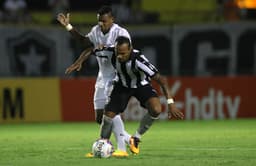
<point x="99" y="47"/>
<point x="64" y="20"/>
<point x="73" y="67"/>
<point x="175" y="112"/>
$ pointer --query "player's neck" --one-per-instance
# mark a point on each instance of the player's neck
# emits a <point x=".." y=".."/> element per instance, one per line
<point x="105" y="32"/>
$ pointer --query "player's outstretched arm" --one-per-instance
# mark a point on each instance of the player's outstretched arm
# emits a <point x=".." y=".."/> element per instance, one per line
<point x="64" y="20"/>
<point x="173" y="110"/>
<point x="77" y="65"/>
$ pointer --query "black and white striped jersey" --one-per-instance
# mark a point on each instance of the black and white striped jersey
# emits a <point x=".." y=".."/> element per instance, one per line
<point x="135" y="72"/>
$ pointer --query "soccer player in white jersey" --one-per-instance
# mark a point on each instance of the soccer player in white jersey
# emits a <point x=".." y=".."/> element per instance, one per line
<point x="101" y="35"/>
<point x="134" y="74"/>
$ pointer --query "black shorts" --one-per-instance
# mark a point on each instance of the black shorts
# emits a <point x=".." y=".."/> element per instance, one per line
<point x="121" y="95"/>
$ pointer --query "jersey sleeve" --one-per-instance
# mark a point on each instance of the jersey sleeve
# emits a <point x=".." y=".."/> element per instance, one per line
<point x="124" y="32"/>
<point x="145" y="66"/>
<point x="92" y="35"/>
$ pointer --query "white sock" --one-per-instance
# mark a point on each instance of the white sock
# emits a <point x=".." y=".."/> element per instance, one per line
<point x="137" y="134"/>
<point x="118" y="130"/>
<point x="127" y="137"/>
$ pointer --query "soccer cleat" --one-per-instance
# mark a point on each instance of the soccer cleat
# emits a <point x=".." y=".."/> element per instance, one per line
<point x="89" y="155"/>
<point x="134" y="145"/>
<point x="119" y="153"/>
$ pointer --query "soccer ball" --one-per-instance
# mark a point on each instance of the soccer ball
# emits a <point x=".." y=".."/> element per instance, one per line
<point x="102" y="148"/>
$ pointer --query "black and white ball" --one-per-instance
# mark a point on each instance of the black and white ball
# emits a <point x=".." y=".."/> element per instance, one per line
<point x="102" y="148"/>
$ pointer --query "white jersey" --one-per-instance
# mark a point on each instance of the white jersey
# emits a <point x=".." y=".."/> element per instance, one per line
<point x="106" y="70"/>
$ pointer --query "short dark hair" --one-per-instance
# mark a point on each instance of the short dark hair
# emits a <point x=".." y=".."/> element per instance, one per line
<point x="105" y="10"/>
<point x="123" y="40"/>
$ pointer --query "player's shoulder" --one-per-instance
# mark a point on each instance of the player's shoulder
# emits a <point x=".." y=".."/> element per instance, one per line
<point x="136" y="54"/>
<point x="119" y="29"/>
<point x="139" y="56"/>
<point x="95" y="28"/>
<point x="118" y="26"/>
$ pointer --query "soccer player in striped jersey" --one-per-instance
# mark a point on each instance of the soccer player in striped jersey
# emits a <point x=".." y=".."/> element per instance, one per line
<point x="101" y="35"/>
<point x="134" y="74"/>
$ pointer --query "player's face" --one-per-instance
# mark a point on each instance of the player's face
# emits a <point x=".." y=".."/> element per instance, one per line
<point x="105" y="22"/>
<point x="123" y="52"/>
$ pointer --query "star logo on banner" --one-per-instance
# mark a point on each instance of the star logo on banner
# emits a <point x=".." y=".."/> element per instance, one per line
<point x="32" y="61"/>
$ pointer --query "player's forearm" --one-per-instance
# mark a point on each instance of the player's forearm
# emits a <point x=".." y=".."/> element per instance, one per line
<point x="77" y="35"/>
<point x="81" y="38"/>
<point x="162" y="81"/>
<point x="165" y="90"/>
<point x="85" y="41"/>
<point x="84" y="55"/>
<point x="169" y="97"/>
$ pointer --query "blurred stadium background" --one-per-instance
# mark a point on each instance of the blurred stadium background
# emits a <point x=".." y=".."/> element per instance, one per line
<point x="207" y="48"/>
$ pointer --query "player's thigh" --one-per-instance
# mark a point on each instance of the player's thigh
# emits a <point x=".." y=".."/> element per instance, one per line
<point x="118" y="99"/>
<point x="143" y="94"/>
<point x="149" y="99"/>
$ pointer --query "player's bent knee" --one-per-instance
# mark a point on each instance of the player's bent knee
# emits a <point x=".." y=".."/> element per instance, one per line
<point x="154" y="114"/>
<point x="154" y="106"/>
<point x="155" y="111"/>
<point x="110" y="114"/>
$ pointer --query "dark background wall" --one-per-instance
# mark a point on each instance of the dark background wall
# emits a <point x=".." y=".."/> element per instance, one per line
<point x="88" y="5"/>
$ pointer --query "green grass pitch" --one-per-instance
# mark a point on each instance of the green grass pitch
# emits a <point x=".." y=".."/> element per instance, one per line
<point x="224" y="142"/>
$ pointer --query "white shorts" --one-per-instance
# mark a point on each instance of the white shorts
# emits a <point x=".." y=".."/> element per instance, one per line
<point x="101" y="95"/>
